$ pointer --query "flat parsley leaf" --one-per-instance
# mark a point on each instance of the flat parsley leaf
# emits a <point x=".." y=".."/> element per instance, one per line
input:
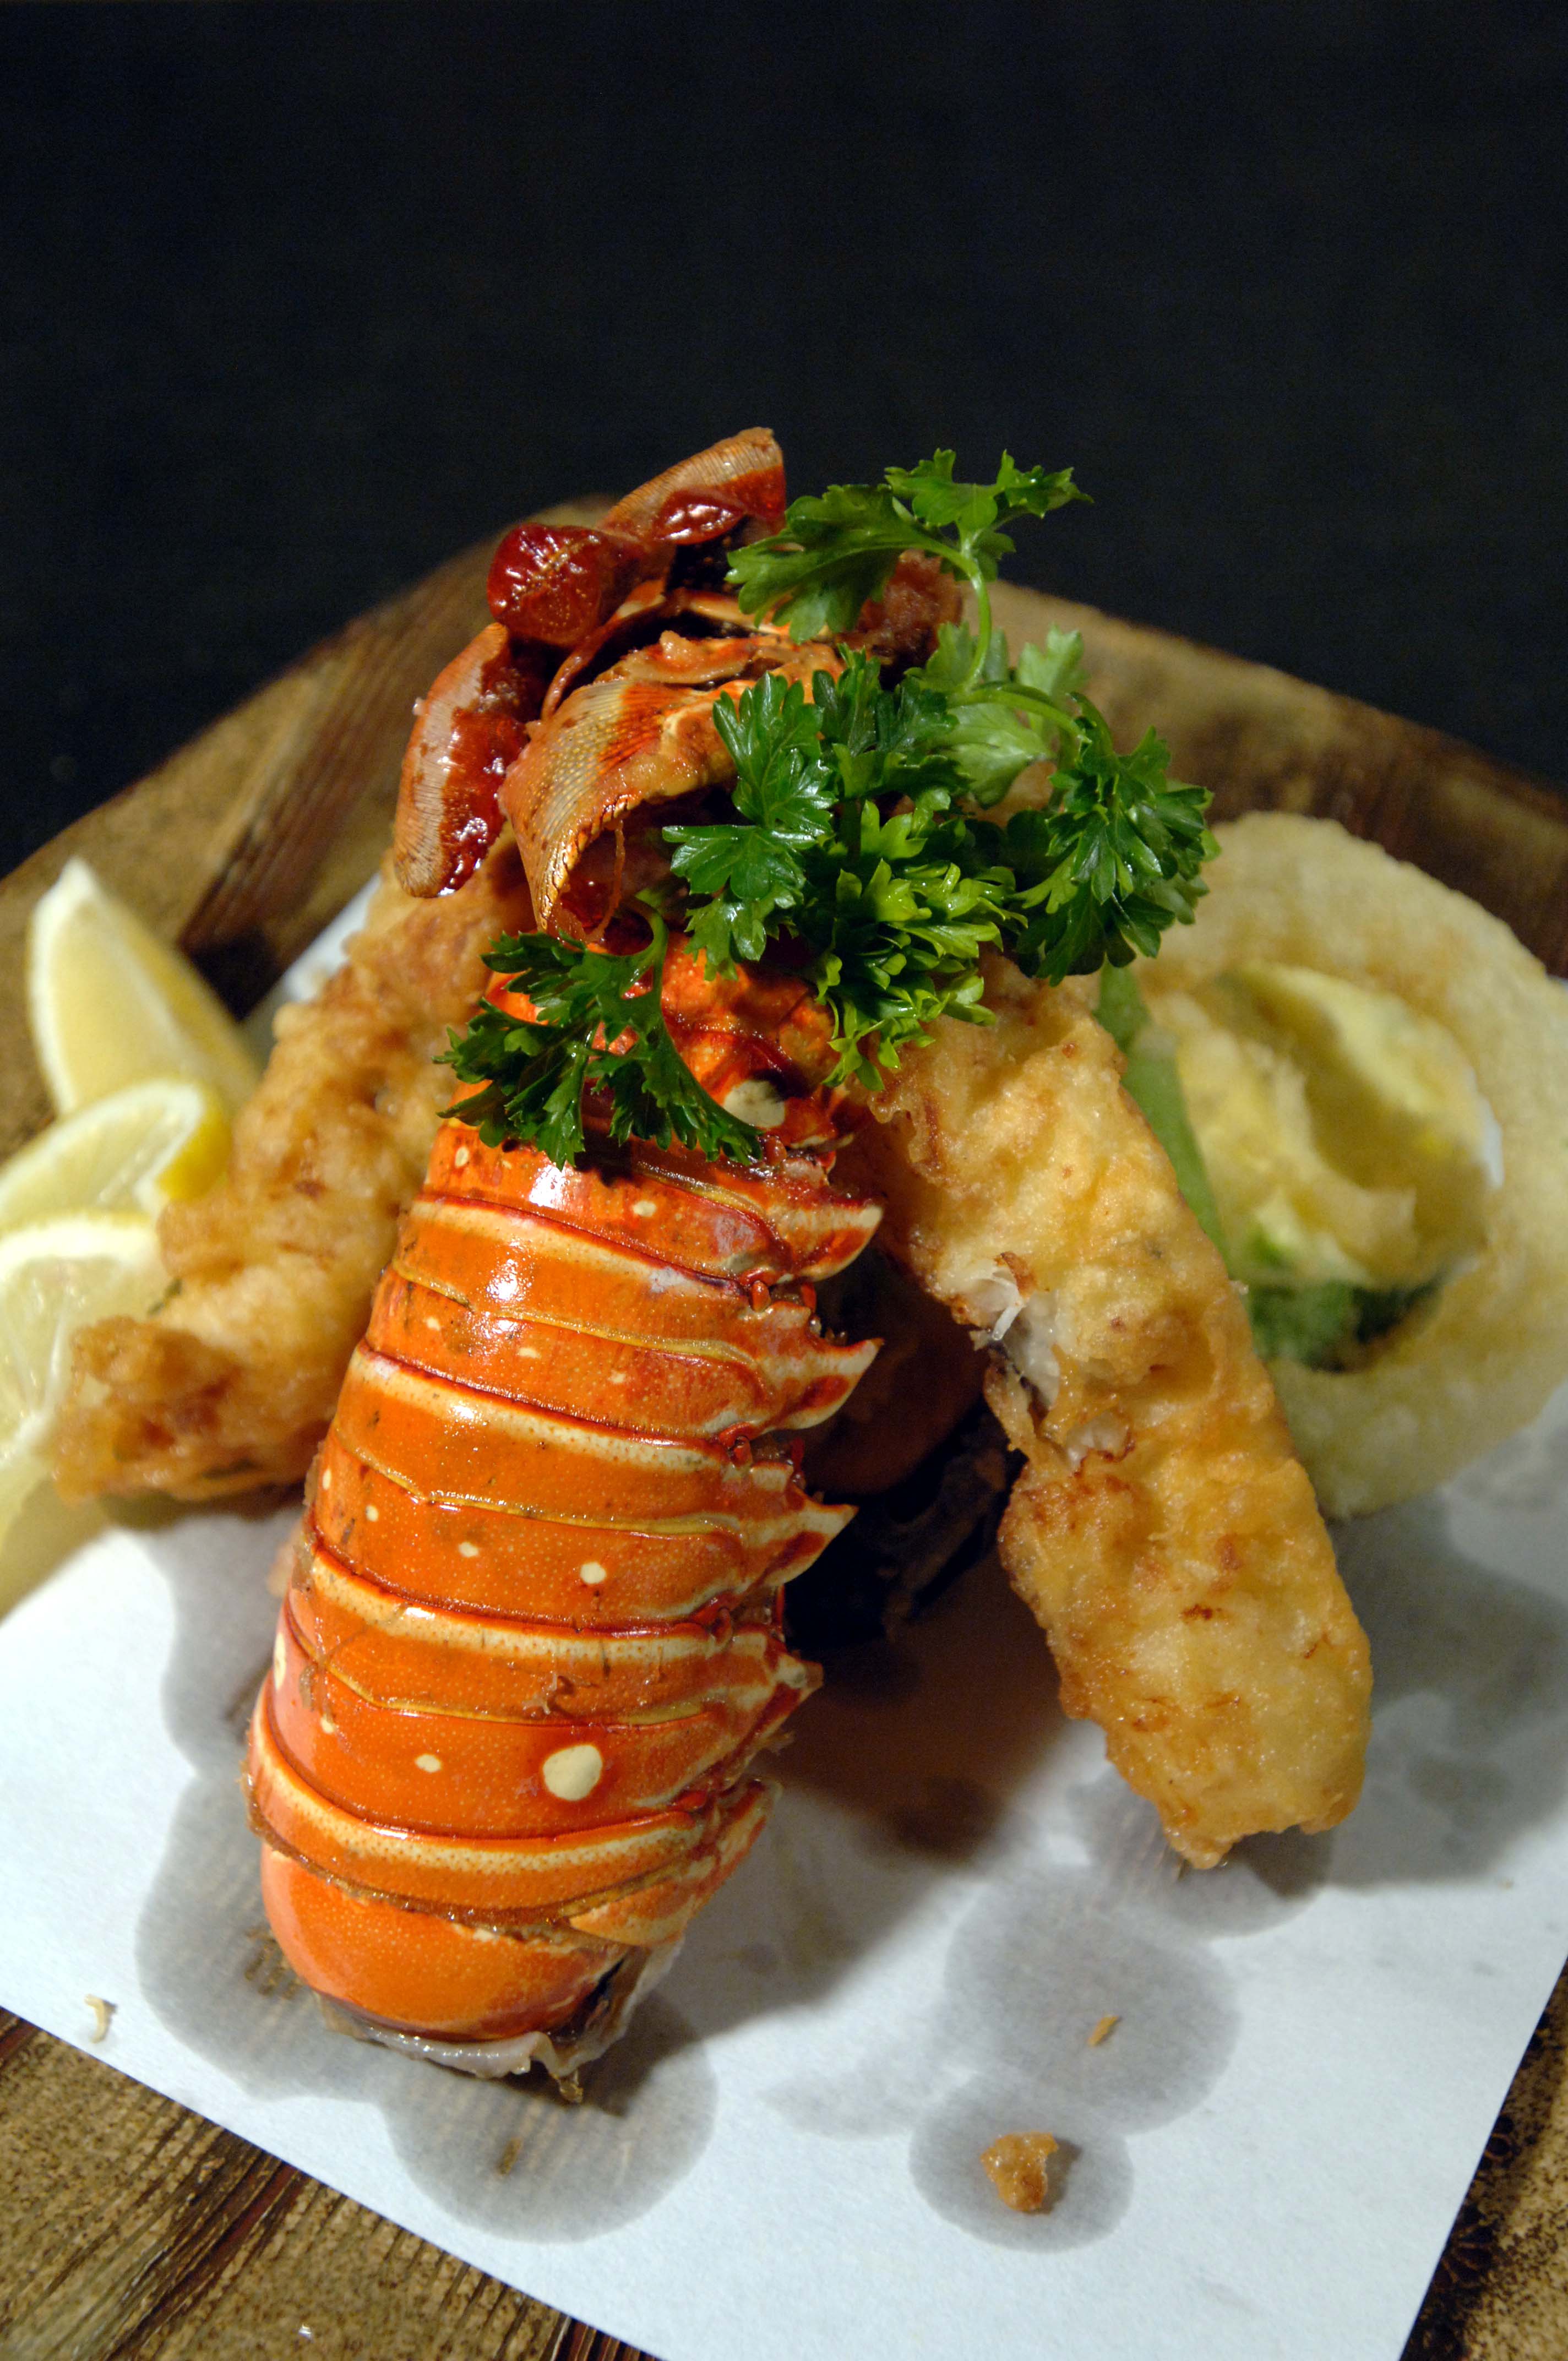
<point x="833" y="555"/>
<point x="975" y="511"/>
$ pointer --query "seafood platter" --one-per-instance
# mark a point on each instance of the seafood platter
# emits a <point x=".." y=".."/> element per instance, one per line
<point x="919" y="1691"/>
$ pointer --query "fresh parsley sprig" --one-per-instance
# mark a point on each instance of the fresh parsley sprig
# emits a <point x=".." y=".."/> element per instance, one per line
<point x="599" y="1027"/>
<point x="858" y="834"/>
<point x="836" y="551"/>
<point x="895" y="891"/>
<point x="1004" y="717"/>
<point x="1114" y="858"/>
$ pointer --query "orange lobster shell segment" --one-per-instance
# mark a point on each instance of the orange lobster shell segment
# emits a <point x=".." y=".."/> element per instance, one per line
<point x="554" y="1569"/>
<point x="662" y="1905"/>
<point x="474" y="1289"/>
<point x="451" y="1441"/>
<point x="406" y="1652"/>
<point x="422" y="1972"/>
<point x="481" y="1774"/>
<point x="765" y="1222"/>
<point x="520" y="1879"/>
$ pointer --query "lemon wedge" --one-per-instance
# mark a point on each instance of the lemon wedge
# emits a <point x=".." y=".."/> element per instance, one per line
<point x="136" y="1151"/>
<point x="55" y="1276"/>
<point x="109" y="1004"/>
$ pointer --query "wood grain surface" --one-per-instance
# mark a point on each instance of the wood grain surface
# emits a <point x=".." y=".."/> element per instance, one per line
<point x="130" y="2227"/>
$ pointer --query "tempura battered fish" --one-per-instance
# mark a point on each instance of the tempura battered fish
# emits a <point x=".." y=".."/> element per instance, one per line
<point x="1164" y="1532"/>
<point x="232" y="1383"/>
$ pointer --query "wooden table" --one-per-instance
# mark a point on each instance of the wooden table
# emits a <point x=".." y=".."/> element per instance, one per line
<point x="128" y="2226"/>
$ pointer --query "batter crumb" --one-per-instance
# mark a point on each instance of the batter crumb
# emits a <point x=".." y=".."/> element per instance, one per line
<point x="1018" y="2165"/>
<point x="102" y="2010"/>
<point x="1106" y="2024"/>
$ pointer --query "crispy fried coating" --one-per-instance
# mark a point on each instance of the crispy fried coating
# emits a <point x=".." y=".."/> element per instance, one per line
<point x="1481" y="1357"/>
<point x="1164" y="1532"/>
<point x="231" y="1384"/>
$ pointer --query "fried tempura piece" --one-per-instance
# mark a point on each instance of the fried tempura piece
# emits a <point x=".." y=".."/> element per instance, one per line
<point x="1018" y="2167"/>
<point x="231" y="1382"/>
<point x="1163" y="1532"/>
<point x="1480" y="1357"/>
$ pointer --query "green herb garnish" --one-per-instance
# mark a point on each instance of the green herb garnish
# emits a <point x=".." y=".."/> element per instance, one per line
<point x="875" y="869"/>
<point x="587" y="1001"/>
<point x="835" y="551"/>
<point x="1325" y="1324"/>
<point x="1154" y="1081"/>
<point x="859" y="837"/>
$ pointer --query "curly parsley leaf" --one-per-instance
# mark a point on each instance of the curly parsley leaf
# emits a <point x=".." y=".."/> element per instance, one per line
<point x="786" y="793"/>
<point x="838" y="549"/>
<point x="1111" y="860"/>
<point x="1004" y="717"/>
<point x="882" y="743"/>
<point x="599" y="1025"/>
<point x="898" y="889"/>
<point x="858" y="834"/>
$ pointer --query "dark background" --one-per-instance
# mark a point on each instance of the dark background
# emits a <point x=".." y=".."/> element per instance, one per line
<point x="299" y="299"/>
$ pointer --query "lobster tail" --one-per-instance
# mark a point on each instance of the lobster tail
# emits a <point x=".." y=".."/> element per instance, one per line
<point x="531" y="1645"/>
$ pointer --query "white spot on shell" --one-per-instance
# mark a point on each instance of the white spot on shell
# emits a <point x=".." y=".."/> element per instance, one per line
<point x="279" y="1662"/>
<point x="572" y="1772"/>
<point x="525" y="1353"/>
<point x="431" y="1321"/>
<point x="427" y="1762"/>
<point x="327" y="1479"/>
<point x="592" y="1572"/>
<point x="643" y="1206"/>
<point x="461" y="1157"/>
<point x="329" y="1727"/>
<point x="372" y="1514"/>
<point x="467" y="1549"/>
<point x="755" y="1101"/>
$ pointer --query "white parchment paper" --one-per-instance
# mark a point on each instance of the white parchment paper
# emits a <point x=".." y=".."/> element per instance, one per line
<point x="782" y="2159"/>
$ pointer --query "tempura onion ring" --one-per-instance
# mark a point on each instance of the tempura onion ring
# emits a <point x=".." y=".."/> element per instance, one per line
<point x="1480" y="1359"/>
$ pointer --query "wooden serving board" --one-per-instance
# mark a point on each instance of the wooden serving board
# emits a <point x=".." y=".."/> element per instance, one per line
<point x="130" y="2227"/>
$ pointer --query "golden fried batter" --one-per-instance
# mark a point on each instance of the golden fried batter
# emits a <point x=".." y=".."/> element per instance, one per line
<point x="231" y="1384"/>
<point x="1480" y="1359"/>
<point x="1164" y="1532"/>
